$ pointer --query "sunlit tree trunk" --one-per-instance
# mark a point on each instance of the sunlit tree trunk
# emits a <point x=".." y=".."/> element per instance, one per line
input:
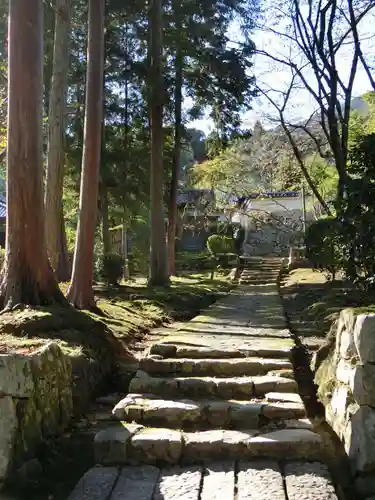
<point x="80" y="293"/>
<point x="27" y="277"/>
<point x="158" y="274"/>
<point x="55" y="227"/>
<point x="172" y="205"/>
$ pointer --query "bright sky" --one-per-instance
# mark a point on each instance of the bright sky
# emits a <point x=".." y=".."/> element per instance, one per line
<point x="302" y="105"/>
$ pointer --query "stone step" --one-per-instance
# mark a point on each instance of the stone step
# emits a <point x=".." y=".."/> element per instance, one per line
<point x="247" y="480"/>
<point x="259" y="272"/>
<point x="262" y="275"/>
<point x="257" y="280"/>
<point x="223" y="367"/>
<point x="134" y="444"/>
<point x="205" y="414"/>
<point x="225" y="388"/>
<point x="170" y="350"/>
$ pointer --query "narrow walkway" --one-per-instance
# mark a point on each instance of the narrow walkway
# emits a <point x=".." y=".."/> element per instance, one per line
<point x="213" y="412"/>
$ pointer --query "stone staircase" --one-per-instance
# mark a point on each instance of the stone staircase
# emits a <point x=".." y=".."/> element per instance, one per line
<point x="213" y="412"/>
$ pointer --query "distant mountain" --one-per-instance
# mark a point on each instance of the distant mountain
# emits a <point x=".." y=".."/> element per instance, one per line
<point x="359" y="104"/>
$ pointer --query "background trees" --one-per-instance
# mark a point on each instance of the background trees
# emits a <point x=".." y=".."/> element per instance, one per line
<point x="147" y="149"/>
<point x="154" y="86"/>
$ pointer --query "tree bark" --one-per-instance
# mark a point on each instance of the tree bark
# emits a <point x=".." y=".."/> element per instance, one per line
<point x="27" y="277"/>
<point x="124" y="247"/>
<point x="172" y="208"/>
<point x="105" y="219"/>
<point x="55" y="227"/>
<point x="158" y="275"/>
<point x="80" y="293"/>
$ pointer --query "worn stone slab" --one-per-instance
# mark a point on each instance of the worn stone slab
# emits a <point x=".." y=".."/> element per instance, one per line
<point x="282" y="373"/>
<point x="280" y="410"/>
<point x="218" y="480"/>
<point x="359" y="439"/>
<point x="217" y="413"/>
<point x="111" y="444"/>
<point x="301" y="423"/>
<point x="200" y="413"/>
<point x="16" y="375"/>
<point x="207" y="352"/>
<point x="260" y="480"/>
<point x="143" y="383"/>
<point x="240" y="387"/>
<point x="8" y="430"/>
<point x="226" y="388"/>
<point x="283" y="397"/>
<point x="215" y="444"/>
<point x="234" y="367"/>
<point x="96" y="484"/>
<point x="136" y="483"/>
<point x="272" y="383"/>
<point x="244" y="414"/>
<point x="156" y="445"/>
<point x="292" y="443"/>
<point x="179" y="483"/>
<point x="152" y="411"/>
<point x="224" y="338"/>
<point x="364" y="337"/>
<point x="308" y="481"/>
<point x="196" y="386"/>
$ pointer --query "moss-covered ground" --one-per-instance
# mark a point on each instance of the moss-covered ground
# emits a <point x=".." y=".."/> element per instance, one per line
<point x="313" y="303"/>
<point x="128" y="312"/>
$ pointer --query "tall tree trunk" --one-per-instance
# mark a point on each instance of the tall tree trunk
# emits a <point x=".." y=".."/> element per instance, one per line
<point x="158" y="263"/>
<point x="55" y="227"/>
<point x="124" y="248"/>
<point x="105" y="218"/>
<point x="124" y="232"/>
<point x="80" y="293"/>
<point x="172" y="206"/>
<point x="27" y="277"/>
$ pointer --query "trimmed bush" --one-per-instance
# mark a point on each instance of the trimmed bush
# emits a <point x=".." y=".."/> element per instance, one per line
<point x="194" y="261"/>
<point x="220" y="244"/>
<point x="109" y="268"/>
<point x="324" y="245"/>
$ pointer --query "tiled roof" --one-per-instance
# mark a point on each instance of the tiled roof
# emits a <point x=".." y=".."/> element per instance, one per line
<point x="273" y="194"/>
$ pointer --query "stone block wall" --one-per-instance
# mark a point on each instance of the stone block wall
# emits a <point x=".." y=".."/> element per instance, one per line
<point x="346" y="382"/>
<point x="36" y="402"/>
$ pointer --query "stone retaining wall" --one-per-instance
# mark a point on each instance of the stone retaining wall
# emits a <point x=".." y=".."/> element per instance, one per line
<point x="346" y="381"/>
<point x="39" y="394"/>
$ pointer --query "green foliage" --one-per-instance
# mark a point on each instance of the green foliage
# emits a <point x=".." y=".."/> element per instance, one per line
<point x="324" y="247"/>
<point x="109" y="268"/>
<point x="219" y="244"/>
<point x="193" y="261"/>
<point x="358" y="213"/>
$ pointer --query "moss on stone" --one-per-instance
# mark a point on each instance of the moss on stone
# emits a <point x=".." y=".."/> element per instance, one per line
<point x="325" y="379"/>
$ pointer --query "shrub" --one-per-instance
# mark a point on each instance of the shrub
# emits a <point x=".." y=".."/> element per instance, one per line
<point x="217" y="243"/>
<point x="194" y="261"/>
<point x="109" y="268"/>
<point x="324" y="245"/>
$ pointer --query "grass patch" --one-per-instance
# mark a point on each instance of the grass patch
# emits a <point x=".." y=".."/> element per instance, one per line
<point x="129" y="311"/>
<point x="313" y="303"/>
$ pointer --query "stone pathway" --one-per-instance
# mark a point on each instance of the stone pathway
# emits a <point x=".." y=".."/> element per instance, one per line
<point x="213" y="412"/>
